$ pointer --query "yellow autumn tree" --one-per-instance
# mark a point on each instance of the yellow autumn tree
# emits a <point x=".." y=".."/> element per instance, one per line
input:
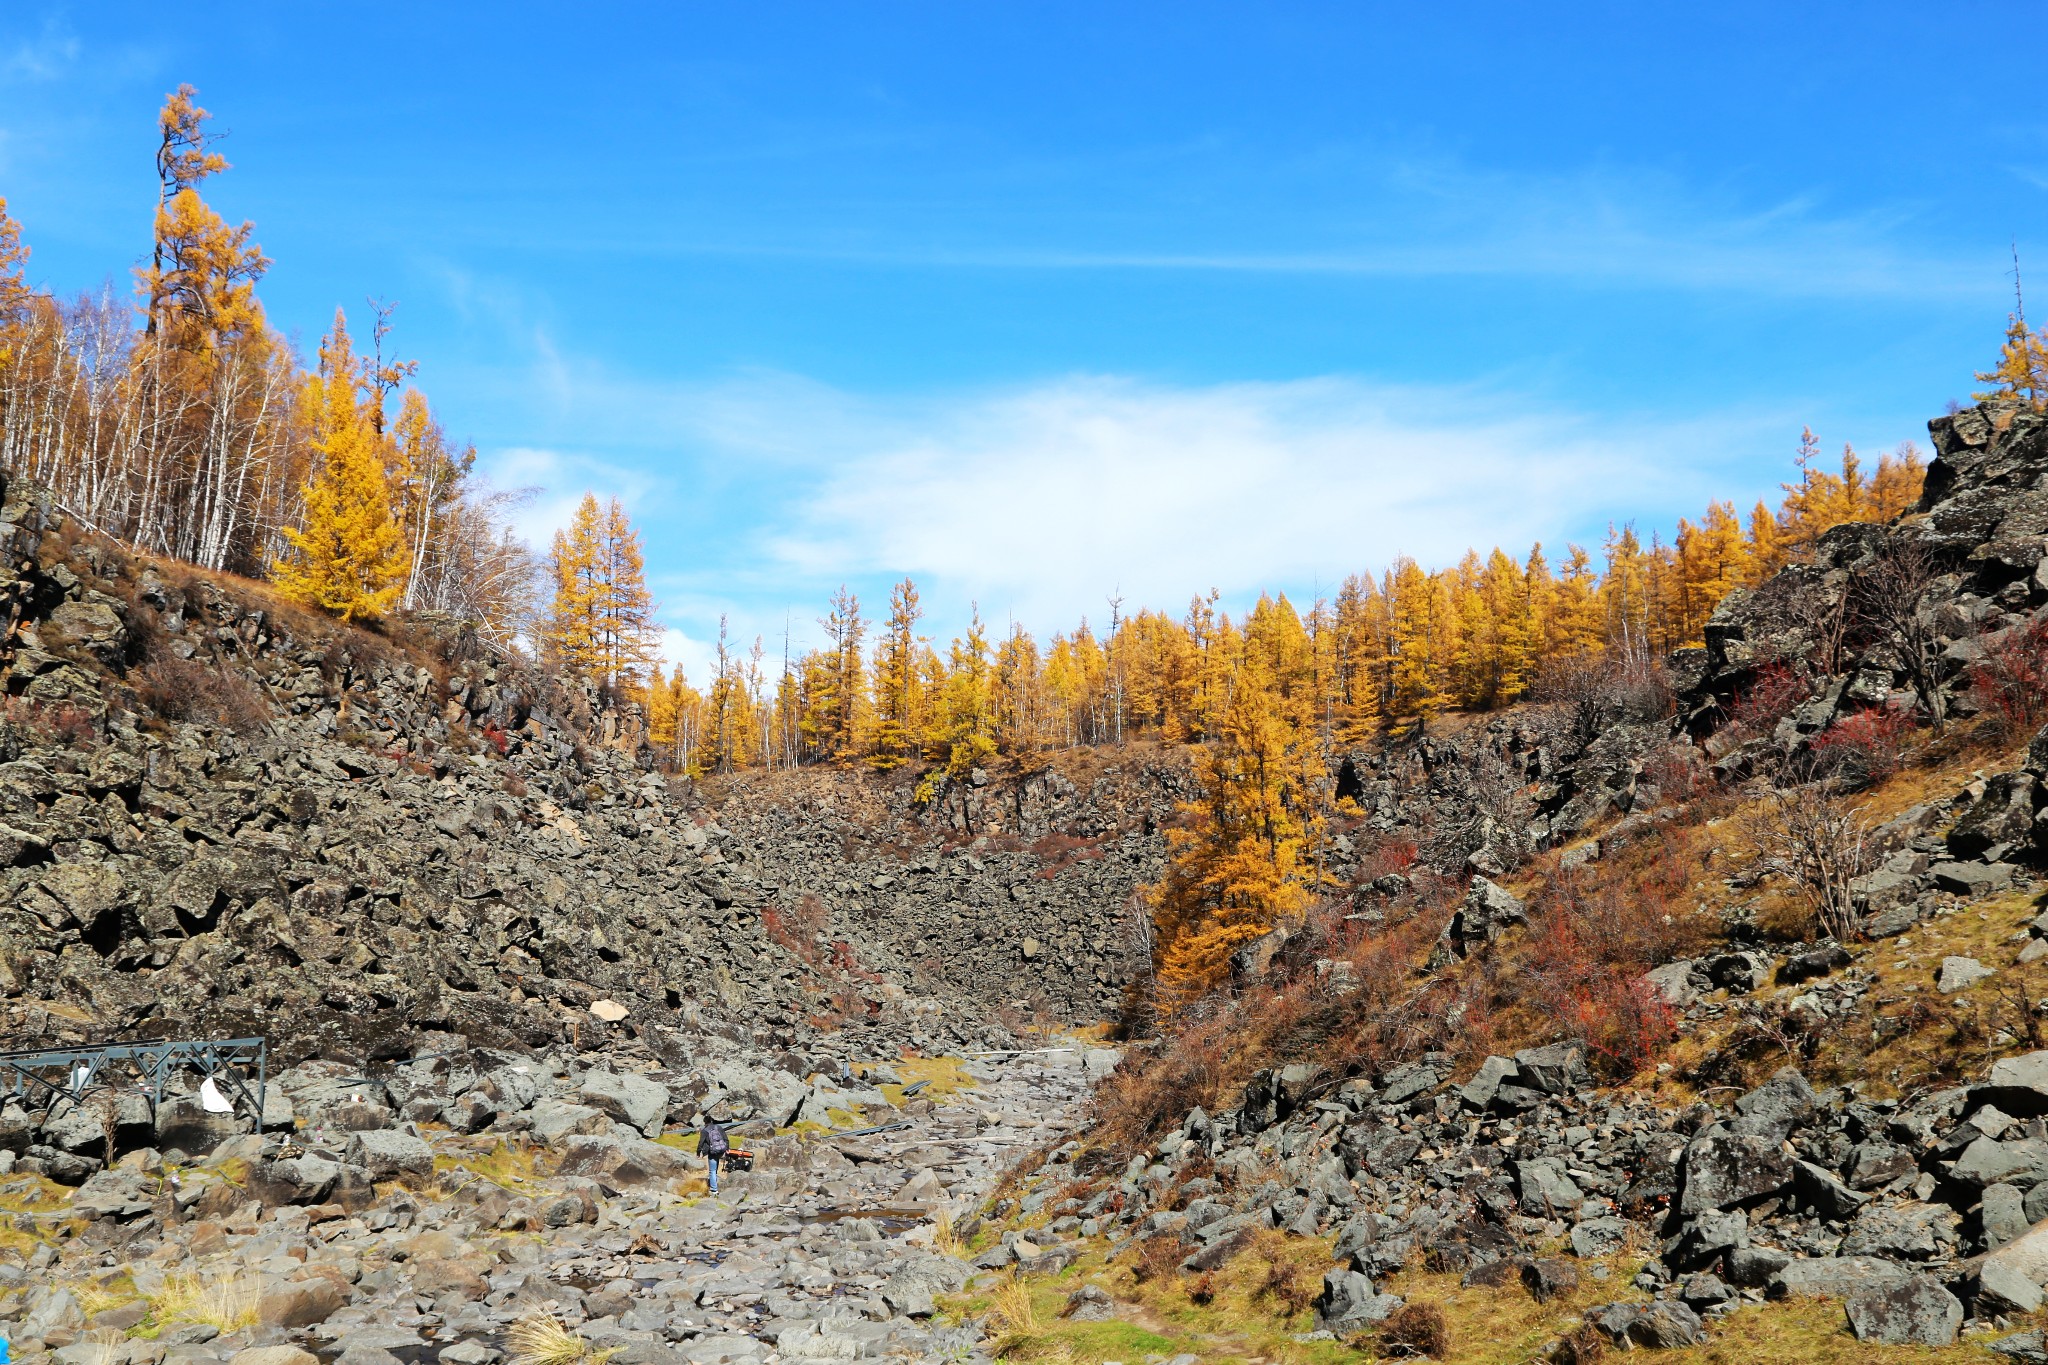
<point x="898" y="736"/>
<point x="348" y="557"/>
<point x="2022" y="368"/>
<point x="600" y="622"/>
<point x="1242" y="865"/>
<point x="14" y="290"/>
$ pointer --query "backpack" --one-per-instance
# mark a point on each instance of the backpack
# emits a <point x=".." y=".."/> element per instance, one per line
<point x="711" y="1141"/>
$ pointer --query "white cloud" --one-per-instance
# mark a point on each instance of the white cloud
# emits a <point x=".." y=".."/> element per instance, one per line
<point x="1044" y="500"/>
<point x="43" y="57"/>
<point x="1358" y="214"/>
<point x="559" y="480"/>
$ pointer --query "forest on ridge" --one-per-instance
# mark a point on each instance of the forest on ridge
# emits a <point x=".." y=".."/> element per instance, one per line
<point x="180" y="421"/>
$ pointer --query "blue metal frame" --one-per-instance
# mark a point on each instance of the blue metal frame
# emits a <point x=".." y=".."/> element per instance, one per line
<point x="78" y="1071"/>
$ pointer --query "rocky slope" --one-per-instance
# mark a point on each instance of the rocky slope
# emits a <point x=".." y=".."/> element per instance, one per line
<point x="218" y="815"/>
<point x="423" y="1214"/>
<point x="517" y="945"/>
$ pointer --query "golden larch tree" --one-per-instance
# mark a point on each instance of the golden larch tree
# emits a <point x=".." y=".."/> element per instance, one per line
<point x="349" y="556"/>
<point x="1242" y="865"/>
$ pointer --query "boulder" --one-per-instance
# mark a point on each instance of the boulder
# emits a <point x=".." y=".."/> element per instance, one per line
<point x="2027" y="1254"/>
<point x="2019" y="1085"/>
<point x="2001" y="1288"/>
<point x="1478" y="1092"/>
<point x="1905" y="1232"/>
<point x="2002" y="1215"/>
<point x="1666" y="1325"/>
<point x="633" y="1100"/>
<point x="1722" y="1170"/>
<point x="1837" y="1277"/>
<point x="620" y="1161"/>
<point x="1959" y="974"/>
<point x="1781" y="1105"/>
<point x="1972" y="879"/>
<point x="2001" y="819"/>
<point x="552" y="1121"/>
<point x="1558" y="1069"/>
<point x="1914" y="1312"/>
<point x="1348" y="1302"/>
<point x="1487" y="910"/>
<point x="301" y="1303"/>
<point x="387" y="1153"/>
<point x="2022" y="1162"/>
<point x="2029" y="1347"/>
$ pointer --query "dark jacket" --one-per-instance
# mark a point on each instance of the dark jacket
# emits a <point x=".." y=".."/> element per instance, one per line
<point x="711" y="1139"/>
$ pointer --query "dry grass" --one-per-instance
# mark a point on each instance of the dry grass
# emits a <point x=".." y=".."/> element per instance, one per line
<point x="946" y="1075"/>
<point x="946" y="1238"/>
<point x="541" y="1339"/>
<point x="95" y="1297"/>
<point x="513" y="1168"/>
<point x="226" y="1303"/>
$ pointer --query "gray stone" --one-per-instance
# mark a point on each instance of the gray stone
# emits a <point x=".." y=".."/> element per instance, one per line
<point x="1486" y="1082"/>
<point x="1785" y="1103"/>
<point x="2002" y="1288"/>
<point x="1599" y="1236"/>
<point x="1915" y="1312"/>
<point x="1754" y="1267"/>
<point x="1972" y="879"/>
<point x="553" y="1121"/>
<point x="1348" y="1301"/>
<point x="1546" y="1191"/>
<point x="1960" y="973"/>
<point x="1666" y="1325"/>
<point x="1674" y="984"/>
<point x="631" y="1099"/>
<point x="1723" y="1170"/>
<point x="388" y="1152"/>
<point x="1558" y="1069"/>
<point x="1837" y="1277"/>
<point x="2028" y="1347"/>
<point x="2019" y="1085"/>
<point x="2003" y="1215"/>
<point x="1908" y="1232"/>
<point x="2022" y="1162"/>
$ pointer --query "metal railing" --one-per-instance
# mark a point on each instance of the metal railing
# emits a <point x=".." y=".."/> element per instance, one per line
<point x="48" y="1077"/>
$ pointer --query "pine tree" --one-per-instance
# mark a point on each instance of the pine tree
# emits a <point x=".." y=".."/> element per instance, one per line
<point x="967" y="720"/>
<point x="1242" y="865"/>
<point x="627" y="634"/>
<point x="835" y="713"/>
<point x="349" y="557"/>
<point x="570" y="635"/>
<point x="600" y="624"/>
<point x="2022" y="368"/>
<point x="14" y="290"/>
<point x="200" y="284"/>
<point x="898" y="733"/>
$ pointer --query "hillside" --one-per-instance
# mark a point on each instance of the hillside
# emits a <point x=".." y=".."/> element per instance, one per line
<point x="1686" y="1005"/>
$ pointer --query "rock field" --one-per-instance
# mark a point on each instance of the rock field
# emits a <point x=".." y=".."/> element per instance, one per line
<point x="422" y="1214"/>
<point x="505" y="967"/>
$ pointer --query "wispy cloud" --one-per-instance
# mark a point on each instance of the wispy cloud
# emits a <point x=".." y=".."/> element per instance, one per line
<point x="1047" y="499"/>
<point x="47" y="55"/>
<point x="1040" y="501"/>
<point x="1413" y="220"/>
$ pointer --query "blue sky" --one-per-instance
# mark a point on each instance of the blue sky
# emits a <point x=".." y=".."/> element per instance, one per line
<point x="1040" y="302"/>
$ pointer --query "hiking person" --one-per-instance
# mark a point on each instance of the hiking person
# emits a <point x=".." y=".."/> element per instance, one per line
<point x="712" y="1146"/>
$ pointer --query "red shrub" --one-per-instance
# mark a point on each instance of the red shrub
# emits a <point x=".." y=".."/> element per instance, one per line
<point x="1389" y="855"/>
<point x="2011" y="680"/>
<point x="1588" y="953"/>
<point x="496" y="737"/>
<point x="1864" y="747"/>
<point x="1768" y="699"/>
